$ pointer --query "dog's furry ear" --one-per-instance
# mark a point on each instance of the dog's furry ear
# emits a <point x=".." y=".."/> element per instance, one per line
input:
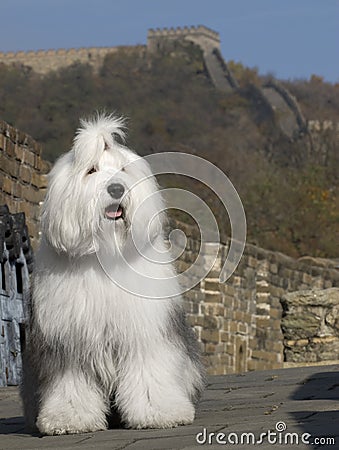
<point x="63" y="220"/>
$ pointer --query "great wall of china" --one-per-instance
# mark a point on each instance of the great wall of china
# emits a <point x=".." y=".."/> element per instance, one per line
<point x="283" y="105"/>
<point x="257" y="320"/>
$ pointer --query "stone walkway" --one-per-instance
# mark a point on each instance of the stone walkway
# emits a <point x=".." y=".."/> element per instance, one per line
<point x="305" y="401"/>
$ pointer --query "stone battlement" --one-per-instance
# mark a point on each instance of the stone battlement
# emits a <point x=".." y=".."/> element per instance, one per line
<point x="52" y="52"/>
<point x="43" y="61"/>
<point x="199" y="30"/>
<point x="202" y="36"/>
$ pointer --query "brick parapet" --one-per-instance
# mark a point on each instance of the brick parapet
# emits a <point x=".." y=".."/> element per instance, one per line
<point x="23" y="178"/>
<point x="238" y="322"/>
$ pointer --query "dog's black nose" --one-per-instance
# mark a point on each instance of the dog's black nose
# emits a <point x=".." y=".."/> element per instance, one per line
<point x="116" y="190"/>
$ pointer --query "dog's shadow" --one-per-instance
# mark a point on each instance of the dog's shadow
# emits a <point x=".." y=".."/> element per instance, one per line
<point x="16" y="425"/>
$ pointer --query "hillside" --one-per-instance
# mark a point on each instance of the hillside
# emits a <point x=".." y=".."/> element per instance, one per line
<point x="289" y="187"/>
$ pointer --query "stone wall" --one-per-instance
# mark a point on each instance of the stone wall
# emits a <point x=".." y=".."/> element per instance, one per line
<point x="43" y="61"/>
<point x="22" y="176"/>
<point x="204" y="37"/>
<point x="310" y="325"/>
<point x="291" y="102"/>
<point x="239" y="322"/>
<point x="289" y="115"/>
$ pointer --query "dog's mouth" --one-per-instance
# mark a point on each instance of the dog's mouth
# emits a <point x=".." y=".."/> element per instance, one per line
<point x="114" y="212"/>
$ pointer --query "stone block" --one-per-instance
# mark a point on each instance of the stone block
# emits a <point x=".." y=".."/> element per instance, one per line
<point x="20" y="153"/>
<point x="9" y="166"/>
<point x="301" y="326"/>
<point x="17" y="190"/>
<point x="26" y="173"/>
<point x="224" y="336"/>
<point x="263" y="322"/>
<point x="29" y="158"/>
<point x="212" y="284"/>
<point x="211" y="336"/>
<point x="11" y="133"/>
<point x="210" y="349"/>
<point x="233" y="327"/>
<point x="307" y="279"/>
<point x="39" y="180"/>
<point x="252" y="262"/>
<point x="3" y="142"/>
<point x="218" y="310"/>
<point x="7" y="185"/>
<point x="228" y="301"/>
<point x="265" y="355"/>
<point x="242" y="328"/>
<point x="199" y="320"/>
<point x="45" y="166"/>
<point x="273" y="268"/>
<point x="211" y="322"/>
<point x="276" y="313"/>
<point x="212" y="297"/>
<point x="32" y="195"/>
<point x="10" y="148"/>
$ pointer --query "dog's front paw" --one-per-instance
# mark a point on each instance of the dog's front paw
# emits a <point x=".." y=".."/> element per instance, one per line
<point x="153" y="417"/>
<point x="56" y="425"/>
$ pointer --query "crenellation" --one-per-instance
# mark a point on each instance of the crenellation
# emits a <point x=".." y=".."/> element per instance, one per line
<point x="184" y="31"/>
<point x="44" y="61"/>
<point x="200" y="35"/>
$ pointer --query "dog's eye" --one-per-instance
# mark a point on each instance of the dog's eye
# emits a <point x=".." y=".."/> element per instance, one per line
<point x="92" y="171"/>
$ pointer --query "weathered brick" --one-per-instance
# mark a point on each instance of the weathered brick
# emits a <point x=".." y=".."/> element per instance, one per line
<point x="2" y="142"/>
<point x="211" y="322"/>
<point x="210" y="336"/>
<point x="7" y="184"/>
<point x="31" y="194"/>
<point x="10" y="148"/>
<point x="224" y="336"/>
<point x="212" y="297"/>
<point x="210" y="348"/>
<point x="9" y="166"/>
<point x="242" y="328"/>
<point x="25" y="173"/>
<point x="29" y="158"/>
<point x="212" y="285"/>
<point x="20" y="153"/>
<point x="17" y="190"/>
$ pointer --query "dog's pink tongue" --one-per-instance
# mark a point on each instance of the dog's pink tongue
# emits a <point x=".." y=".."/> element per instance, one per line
<point x="114" y="214"/>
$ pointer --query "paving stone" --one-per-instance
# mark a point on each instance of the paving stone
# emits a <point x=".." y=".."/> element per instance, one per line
<point x="304" y="400"/>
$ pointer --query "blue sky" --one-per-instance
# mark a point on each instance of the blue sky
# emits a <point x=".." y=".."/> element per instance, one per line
<point x="289" y="38"/>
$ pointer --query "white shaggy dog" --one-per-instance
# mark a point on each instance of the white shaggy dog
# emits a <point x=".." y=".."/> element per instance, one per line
<point x="107" y="334"/>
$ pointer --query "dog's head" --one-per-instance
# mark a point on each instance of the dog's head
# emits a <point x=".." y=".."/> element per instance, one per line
<point x="99" y="192"/>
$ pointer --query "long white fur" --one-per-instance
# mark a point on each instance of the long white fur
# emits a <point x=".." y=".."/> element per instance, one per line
<point x="89" y="339"/>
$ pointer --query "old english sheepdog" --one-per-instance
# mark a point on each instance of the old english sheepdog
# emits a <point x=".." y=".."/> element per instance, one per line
<point x="107" y="333"/>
